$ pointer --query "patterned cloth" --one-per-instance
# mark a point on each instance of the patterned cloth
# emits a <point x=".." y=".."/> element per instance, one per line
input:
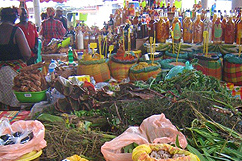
<point x="52" y="28"/>
<point x="8" y="70"/>
<point x="235" y="90"/>
<point x="211" y="68"/>
<point x="233" y="73"/>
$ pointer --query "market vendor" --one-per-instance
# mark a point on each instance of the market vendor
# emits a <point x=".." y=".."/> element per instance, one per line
<point x="14" y="51"/>
<point x="51" y="28"/>
<point x="59" y="16"/>
<point x="30" y="32"/>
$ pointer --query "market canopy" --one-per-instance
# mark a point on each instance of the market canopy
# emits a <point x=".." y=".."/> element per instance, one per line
<point x="60" y="1"/>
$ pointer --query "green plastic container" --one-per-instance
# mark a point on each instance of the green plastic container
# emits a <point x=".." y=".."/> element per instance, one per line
<point x="30" y="97"/>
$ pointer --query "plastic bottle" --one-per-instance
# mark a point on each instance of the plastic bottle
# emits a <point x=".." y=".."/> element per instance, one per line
<point x="160" y="30"/>
<point x="176" y="28"/>
<point x="167" y="29"/>
<point x="93" y="80"/>
<point x="229" y="30"/>
<point x="198" y="29"/>
<point x="79" y="40"/>
<point x="52" y="66"/>
<point x="70" y="56"/>
<point x="208" y="25"/>
<point x="187" y="28"/>
<point x="217" y="30"/>
<point x="80" y="55"/>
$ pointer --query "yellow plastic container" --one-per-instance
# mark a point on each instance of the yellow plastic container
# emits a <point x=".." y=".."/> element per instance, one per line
<point x="81" y="78"/>
<point x="32" y="156"/>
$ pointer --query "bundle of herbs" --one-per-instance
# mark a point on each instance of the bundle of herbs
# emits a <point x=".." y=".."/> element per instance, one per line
<point x="212" y="141"/>
<point x="63" y="141"/>
<point x="191" y="87"/>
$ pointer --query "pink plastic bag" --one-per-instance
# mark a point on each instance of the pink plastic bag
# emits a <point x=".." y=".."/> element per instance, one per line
<point x="154" y="129"/>
<point x="14" y="151"/>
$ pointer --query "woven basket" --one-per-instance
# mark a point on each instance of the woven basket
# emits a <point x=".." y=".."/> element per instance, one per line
<point x="145" y="73"/>
<point x="211" y="66"/>
<point x="120" y="68"/>
<point x="232" y="71"/>
<point x="97" y="68"/>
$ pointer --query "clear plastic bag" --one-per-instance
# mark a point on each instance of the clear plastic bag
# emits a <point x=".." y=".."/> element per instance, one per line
<point x="154" y="129"/>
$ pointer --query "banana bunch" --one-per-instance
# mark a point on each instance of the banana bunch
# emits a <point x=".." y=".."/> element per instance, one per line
<point x="169" y="47"/>
<point x="221" y="48"/>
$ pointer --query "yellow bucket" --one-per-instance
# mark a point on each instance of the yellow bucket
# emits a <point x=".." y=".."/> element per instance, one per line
<point x="32" y="156"/>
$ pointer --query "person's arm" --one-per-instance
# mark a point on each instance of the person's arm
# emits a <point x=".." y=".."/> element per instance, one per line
<point x="22" y="44"/>
<point x="35" y="49"/>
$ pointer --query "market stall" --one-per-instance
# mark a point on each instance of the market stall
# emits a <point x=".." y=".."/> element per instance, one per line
<point x="106" y="97"/>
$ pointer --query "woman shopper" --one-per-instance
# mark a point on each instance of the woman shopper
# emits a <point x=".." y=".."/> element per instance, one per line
<point x="30" y="32"/>
<point x="14" y="51"/>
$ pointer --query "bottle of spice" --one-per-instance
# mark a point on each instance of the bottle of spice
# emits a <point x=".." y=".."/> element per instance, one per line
<point x="198" y="29"/>
<point x="176" y="28"/>
<point x="187" y="28"/>
<point x="230" y="30"/>
<point x="217" y="30"/>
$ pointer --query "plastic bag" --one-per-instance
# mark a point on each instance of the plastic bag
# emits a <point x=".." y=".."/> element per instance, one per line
<point x="154" y="129"/>
<point x="14" y="151"/>
<point x="38" y="108"/>
<point x="178" y="69"/>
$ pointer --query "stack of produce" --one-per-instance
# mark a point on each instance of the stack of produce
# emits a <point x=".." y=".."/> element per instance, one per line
<point x="94" y="66"/>
<point x="30" y="79"/>
<point x="120" y="64"/>
<point x="143" y="71"/>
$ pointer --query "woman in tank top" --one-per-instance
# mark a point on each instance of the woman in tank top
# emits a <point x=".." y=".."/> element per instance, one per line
<point x="14" y="52"/>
